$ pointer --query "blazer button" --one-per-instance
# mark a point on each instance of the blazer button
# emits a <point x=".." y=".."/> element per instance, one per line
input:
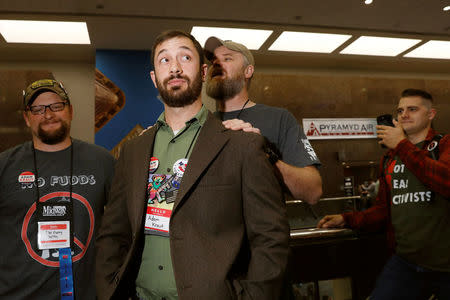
<point x="160" y="267"/>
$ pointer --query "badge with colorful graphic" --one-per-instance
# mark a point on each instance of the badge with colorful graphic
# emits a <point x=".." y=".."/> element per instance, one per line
<point x="154" y="163"/>
<point x="179" y="167"/>
<point x="26" y="177"/>
<point x="163" y="188"/>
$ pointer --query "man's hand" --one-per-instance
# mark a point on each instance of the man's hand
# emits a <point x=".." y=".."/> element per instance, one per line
<point x="390" y="136"/>
<point x="331" y="221"/>
<point x="237" y="124"/>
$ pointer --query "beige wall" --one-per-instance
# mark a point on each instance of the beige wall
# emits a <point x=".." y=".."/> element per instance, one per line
<point x="346" y="94"/>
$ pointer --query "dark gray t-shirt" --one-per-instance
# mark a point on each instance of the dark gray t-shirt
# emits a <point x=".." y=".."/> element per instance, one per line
<point x="25" y="271"/>
<point x="280" y="127"/>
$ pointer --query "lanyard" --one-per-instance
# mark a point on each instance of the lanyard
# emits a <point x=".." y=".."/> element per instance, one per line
<point x="243" y="106"/>
<point x="190" y="145"/>
<point x="37" y="175"/>
<point x="65" y="255"/>
<point x="192" y="142"/>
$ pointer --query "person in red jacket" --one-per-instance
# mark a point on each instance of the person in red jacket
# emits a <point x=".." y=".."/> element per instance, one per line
<point x="413" y="204"/>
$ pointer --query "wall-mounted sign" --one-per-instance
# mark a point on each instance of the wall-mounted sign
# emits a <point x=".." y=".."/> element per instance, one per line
<point x="340" y="128"/>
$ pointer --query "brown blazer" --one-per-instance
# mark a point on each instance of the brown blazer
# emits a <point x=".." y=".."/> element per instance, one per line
<point x="228" y="230"/>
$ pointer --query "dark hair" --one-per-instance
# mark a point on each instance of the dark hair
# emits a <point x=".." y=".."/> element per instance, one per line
<point x="415" y="92"/>
<point x="170" y="34"/>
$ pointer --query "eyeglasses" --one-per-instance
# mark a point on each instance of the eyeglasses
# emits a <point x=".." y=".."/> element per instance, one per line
<point x="40" y="109"/>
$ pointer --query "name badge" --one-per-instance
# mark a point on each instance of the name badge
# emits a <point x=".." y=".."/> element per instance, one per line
<point x="53" y="234"/>
<point x="157" y="219"/>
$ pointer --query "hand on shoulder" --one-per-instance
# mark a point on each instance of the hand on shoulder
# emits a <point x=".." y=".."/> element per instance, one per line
<point x="237" y="124"/>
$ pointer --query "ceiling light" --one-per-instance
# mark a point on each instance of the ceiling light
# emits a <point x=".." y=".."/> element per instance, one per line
<point x="251" y="38"/>
<point x="308" y="42"/>
<point x="368" y="2"/>
<point x="44" y="32"/>
<point x="432" y="49"/>
<point x="447" y="8"/>
<point x="379" y="46"/>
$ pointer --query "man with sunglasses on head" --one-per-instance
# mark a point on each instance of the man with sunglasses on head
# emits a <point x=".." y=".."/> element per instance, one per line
<point x="52" y="193"/>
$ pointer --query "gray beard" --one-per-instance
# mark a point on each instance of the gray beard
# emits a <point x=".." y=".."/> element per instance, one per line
<point x="224" y="89"/>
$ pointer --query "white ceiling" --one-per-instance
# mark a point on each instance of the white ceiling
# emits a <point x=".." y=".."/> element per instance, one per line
<point x="133" y="24"/>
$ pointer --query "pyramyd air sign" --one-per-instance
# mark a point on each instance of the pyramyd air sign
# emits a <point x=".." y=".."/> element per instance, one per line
<point x="340" y="128"/>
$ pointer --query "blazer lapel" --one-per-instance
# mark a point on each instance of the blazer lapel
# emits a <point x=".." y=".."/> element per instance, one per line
<point x="143" y="149"/>
<point x="209" y="142"/>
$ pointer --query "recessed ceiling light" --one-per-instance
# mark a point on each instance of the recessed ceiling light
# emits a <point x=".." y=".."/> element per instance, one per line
<point x="447" y="8"/>
<point x="44" y="32"/>
<point x="251" y="38"/>
<point x="432" y="49"/>
<point x="379" y="46"/>
<point x="368" y="2"/>
<point x="308" y="42"/>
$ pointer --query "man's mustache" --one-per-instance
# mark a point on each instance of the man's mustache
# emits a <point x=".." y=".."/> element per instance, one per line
<point x="50" y="121"/>
<point x="176" y="76"/>
<point x="216" y="71"/>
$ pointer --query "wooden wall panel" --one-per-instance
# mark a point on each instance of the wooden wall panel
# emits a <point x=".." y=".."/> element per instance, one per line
<point x="13" y="129"/>
<point x="322" y="96"/>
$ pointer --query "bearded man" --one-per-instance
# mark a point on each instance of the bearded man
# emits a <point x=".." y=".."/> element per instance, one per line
<point x="196" y="211"/>
<point x="288" y="149"/>
<point x="52" y="193"/>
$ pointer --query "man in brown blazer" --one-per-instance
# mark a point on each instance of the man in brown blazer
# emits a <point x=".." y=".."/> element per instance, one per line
<point x="196" y="211"/>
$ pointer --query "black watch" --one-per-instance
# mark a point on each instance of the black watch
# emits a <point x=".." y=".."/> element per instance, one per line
<point x="273" y="157"/>
<point x="272" y="151"/>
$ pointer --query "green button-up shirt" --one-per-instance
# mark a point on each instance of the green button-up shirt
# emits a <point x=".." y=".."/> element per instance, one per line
<point x="156" y="279"/>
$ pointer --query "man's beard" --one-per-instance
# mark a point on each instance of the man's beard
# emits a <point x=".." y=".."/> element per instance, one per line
<point x="223" y="88"/>
<point x="177" y="98"/>
<point x="53" y="137"/>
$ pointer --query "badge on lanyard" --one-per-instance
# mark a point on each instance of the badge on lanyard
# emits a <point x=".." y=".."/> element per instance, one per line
<point x="154" y="164"/>
<point x="179" y="167"/>
<point x="54" y="228"/>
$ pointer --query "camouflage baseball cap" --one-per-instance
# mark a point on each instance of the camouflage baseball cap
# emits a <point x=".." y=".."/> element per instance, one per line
<point x="40" y="86"/>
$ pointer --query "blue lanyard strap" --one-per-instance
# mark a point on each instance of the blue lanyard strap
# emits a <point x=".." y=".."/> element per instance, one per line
<point x="65" y="274"/>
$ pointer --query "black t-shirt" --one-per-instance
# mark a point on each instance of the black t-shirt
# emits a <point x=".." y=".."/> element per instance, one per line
<point x="280" y="127"/>
<point x="25" y="271"/>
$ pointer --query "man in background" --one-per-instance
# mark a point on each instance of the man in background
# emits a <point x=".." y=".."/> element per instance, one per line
<point x="289" y="150"/>
<point x="413" y="204"/>
<point x="52" y="193"/>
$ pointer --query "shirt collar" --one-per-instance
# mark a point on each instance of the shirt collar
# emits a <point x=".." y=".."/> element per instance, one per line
<point x="200" y="117"/>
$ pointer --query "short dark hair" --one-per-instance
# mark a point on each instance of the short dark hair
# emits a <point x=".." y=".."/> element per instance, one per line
<point x="416" y="92"/>
<point x="170" y="34"/>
